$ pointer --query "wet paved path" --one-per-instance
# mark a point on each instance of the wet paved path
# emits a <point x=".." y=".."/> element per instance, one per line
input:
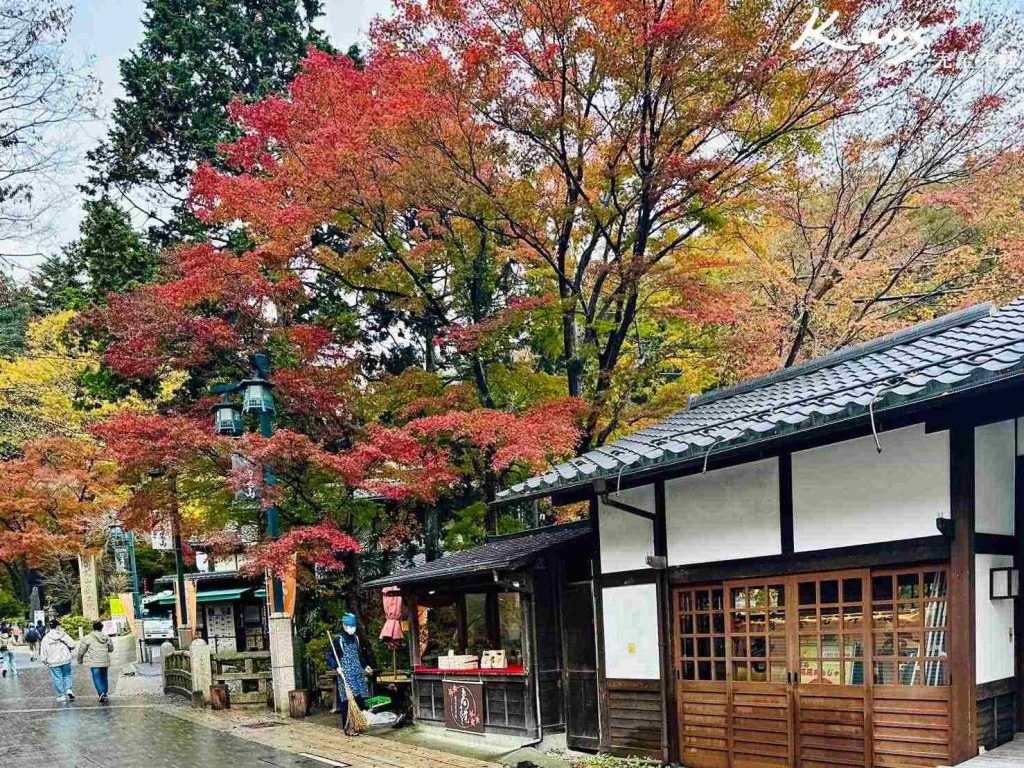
<point x="129" y="732"/>
<point x="152" y="731"/>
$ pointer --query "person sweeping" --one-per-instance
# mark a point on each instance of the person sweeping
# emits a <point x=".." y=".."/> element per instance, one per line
<point x="352" y="662"/>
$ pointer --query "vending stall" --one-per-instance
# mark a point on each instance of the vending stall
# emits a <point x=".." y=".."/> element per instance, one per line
<point x="494" y="648"/>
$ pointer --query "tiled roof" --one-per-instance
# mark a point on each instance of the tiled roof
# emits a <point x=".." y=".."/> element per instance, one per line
<point x="968" y="348"/>
<point x="498" y="553"/>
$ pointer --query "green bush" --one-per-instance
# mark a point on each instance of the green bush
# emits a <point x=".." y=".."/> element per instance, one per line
<point x="72" y="624"/>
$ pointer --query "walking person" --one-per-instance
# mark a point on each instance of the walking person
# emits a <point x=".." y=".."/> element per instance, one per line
<point x="94" y="652"/>
<point x="55" y="652"/>
<point x="32" y="638"/>
<point x="7" y="651"/>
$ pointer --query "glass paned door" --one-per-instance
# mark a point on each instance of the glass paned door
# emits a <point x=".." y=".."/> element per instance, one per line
<point x="758" y="627"/>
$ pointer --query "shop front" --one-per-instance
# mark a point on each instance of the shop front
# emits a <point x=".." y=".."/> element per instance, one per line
<point x="495" y="650"/>
<point x="819" y="567"/>
<point x="225" y="609"/>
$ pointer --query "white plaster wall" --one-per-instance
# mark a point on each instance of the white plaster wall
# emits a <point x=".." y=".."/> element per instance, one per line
<point x="993" y="623"/>
<point x="626" y="539"/>
<point x="848" y="493"/>
<point x="725" y="514"/>
<point x="631" y="632"/>
<point x="994" y="458"/>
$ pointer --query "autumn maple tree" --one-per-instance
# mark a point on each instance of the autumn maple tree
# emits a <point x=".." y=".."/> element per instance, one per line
<point x="887" y="224"/>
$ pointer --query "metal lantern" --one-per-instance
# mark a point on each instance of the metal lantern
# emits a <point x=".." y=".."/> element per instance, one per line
<point x="227" y="419"/>
<point x="257" y="396"/>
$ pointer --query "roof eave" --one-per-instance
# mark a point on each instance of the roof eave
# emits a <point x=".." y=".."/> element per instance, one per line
<point x="582" y="490"/>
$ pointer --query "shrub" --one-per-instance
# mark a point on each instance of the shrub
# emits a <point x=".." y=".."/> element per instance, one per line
<point x="72" y="624"/>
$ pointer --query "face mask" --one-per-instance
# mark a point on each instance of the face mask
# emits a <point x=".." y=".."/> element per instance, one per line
<point x="349" y="630"/>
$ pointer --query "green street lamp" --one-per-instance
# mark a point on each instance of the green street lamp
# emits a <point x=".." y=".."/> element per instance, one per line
<point x="227" y="418"/>
<point x="257" y="398"/>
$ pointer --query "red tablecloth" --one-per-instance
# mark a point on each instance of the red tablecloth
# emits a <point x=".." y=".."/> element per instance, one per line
<point x="509" y="670"/>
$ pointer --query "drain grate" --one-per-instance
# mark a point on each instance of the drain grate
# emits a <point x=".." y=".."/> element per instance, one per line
<point x="323" y="760"/>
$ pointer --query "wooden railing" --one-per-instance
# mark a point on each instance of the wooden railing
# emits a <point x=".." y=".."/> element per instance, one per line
<point x="177" y="668"/>
<point x="247" y="675"/>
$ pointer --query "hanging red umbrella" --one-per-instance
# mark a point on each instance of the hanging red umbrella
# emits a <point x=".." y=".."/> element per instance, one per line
<point x="392" y="633"/>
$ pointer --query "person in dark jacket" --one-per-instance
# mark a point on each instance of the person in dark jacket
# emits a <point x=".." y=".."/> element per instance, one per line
<point x="32" y="638"/>
<point x="355" y="666"/>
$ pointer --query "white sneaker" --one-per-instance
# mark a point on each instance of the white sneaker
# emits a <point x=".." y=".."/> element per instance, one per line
<point x="62" y="699"/>
<point x="71" y="696"/>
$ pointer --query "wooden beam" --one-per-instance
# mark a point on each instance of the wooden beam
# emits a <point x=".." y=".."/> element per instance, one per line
<point x="786" y="502"/>
<point x="890" y="553"/>
<point x="995" y="544"/>
<point x="963" y="739"/>
<point x="660" y="528"/>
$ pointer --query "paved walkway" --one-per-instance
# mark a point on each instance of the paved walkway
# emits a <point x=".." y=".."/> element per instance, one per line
<point x="141" y="730"/>
<point x="1007" y="756"/>
<point x="320" y="741"/>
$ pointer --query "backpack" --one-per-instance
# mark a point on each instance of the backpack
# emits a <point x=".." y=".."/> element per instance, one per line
<point x="32" y="636"/>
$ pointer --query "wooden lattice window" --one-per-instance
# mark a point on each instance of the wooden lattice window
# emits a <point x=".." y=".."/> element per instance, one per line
<point x="830" y="624"/>
<point x="757" y="632"/>
<point x="909" y="620"/>
<point x="701" y="617"/>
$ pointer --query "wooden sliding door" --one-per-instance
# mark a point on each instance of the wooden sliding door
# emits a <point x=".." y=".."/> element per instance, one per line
<point x="760" y="703"/>
<point x="831" y="687"/>
<point x="844" y="669"/>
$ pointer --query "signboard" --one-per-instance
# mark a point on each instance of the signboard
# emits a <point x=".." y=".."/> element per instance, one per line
<point x="116" y="607"/>
<point x="162" y="539"/>
<point x="464" y="706"/>
<point x="39" y="617"/>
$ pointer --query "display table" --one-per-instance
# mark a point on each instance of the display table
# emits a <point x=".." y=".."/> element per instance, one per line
<point x="503" y="696"/>
<point x="510" y="670"/>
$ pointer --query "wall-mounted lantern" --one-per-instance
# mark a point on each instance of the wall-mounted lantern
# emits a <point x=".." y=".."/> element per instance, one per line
<point x="1003" y="583"/>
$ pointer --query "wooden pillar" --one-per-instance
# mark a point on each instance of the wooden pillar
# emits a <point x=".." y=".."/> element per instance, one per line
<point x="602" y="680"/>
<point x="670" y="730"/>
<point x="963" y="739"/>
<point x="413" y="612"/>
<point x="1018" y="607"/>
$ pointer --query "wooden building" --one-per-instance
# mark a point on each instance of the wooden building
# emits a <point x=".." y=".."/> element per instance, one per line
<point x="818" y="567"/>
<point x="529" y="595"/>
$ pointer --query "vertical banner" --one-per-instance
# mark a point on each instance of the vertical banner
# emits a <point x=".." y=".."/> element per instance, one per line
<point x="192" y="605"/>
<point x="127" y="602"/>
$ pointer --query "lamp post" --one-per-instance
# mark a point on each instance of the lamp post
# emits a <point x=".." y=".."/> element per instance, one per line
<point x="257" y="398"/>
<point x="122" y="541"/>
<point x="179" y="560"/>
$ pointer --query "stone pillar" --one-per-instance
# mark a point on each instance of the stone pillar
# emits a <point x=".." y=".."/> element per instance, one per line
<point x="184" y="637"/>
<point x="166" y="649"/>
<point x="282" y="659"/>
<point x="202" y="669"/>
<point x="88" y="575"/>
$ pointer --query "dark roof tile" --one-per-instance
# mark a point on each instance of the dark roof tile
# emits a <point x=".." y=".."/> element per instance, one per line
<point x="963" y="349"/>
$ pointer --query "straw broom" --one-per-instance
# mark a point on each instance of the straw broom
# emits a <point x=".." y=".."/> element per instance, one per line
<point x="355" y="722"/>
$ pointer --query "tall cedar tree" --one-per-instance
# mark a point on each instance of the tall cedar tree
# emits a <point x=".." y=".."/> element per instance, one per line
<point x="112" y="255"/>
<point x="56" y="285"/>
<point x="15" y="308"/>
<point x="195" y="57"/>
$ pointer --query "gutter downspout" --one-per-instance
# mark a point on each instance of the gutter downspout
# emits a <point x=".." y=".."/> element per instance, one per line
<point x="536" y="677"/>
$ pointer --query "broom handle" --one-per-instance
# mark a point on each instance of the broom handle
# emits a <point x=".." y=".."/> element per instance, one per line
<point x="336" y="659"/>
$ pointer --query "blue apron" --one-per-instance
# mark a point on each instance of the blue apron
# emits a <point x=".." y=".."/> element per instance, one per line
<point x="352" y="667"/>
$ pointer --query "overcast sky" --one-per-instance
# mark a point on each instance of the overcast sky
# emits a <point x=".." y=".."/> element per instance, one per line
<point x="102" y="32"/>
